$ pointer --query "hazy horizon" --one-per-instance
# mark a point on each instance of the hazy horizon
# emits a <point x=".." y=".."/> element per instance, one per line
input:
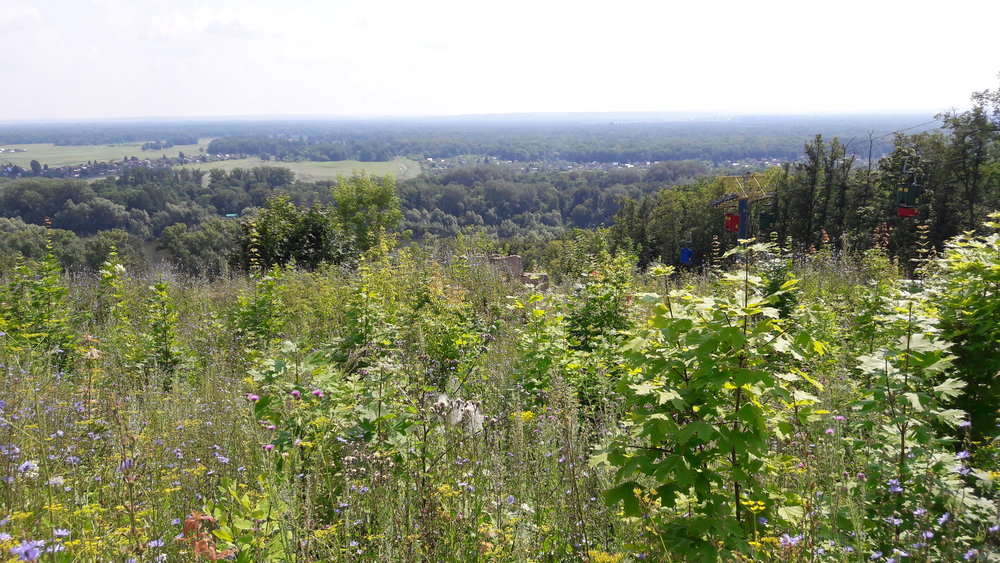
<point x="131" y="60"/>
<point x="555" y="117"/>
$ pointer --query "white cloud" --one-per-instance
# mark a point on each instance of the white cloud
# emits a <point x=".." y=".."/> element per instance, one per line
<point x="17" y="14"/>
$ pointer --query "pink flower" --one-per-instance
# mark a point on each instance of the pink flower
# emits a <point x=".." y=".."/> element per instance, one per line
<point x="295" y="393"/>
<point x="271" y="427"/>
<point x="318" y="392"/>
<point x="268" y="447"/>
<point x="252" y="398"/>
<point x="838" y="417"/>
<point x="830" y="431"/>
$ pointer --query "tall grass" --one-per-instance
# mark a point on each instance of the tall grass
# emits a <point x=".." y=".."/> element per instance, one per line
<point x="398" y="413"/>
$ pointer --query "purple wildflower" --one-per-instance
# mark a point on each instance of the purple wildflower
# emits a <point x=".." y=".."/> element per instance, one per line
<point x="787" y="541"/>
<point x="28" y="550"/>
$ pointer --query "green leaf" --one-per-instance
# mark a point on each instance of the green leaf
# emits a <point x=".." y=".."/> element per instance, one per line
<point x="624" y="493"/>
<point x="702" y="429"/>
<point x="241" y="524"/>
<point x="951" y="417"/>
<point x="598" y="459"/>
<point x="644" y="388"/>
<point x="950" y="388"/>
<point x="914" y="400"/>
<point x="791" y="514"/>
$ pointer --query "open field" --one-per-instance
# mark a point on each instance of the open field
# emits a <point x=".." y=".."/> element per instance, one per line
<point x="310" y="171"/>
<point x="53" y="155"/>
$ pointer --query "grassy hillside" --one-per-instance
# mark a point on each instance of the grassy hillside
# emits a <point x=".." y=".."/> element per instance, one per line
<point x="423" y="409"/>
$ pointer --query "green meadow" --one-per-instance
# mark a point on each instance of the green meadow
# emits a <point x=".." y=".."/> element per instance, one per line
<point x="309" y="171"/>
<point x="55" y="155"/>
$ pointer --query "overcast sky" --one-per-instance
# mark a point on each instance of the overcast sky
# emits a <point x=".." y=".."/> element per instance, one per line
<point x="135" y="58"/>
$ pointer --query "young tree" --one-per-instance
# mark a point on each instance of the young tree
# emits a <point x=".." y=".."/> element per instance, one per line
<point x="366" y="207"/>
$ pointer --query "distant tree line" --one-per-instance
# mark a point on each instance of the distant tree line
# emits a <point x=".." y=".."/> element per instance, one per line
<point x="522" y="139"/>
<point x="206" y="223"/>
<point x="501" y="201"/>
<point x="932" y="186"/>
<point x="712" y="141"/>
<point x="168" y="143"/>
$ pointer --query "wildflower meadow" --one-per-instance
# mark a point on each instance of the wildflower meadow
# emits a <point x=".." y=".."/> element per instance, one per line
<point x="424" y="406"/>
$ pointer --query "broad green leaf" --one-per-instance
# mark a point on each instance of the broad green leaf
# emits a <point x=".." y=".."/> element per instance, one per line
<point x="791" y="514"/>
<point x="625" y="494"/>
<point x="914" y="400"/>
<point x="698" y="428"/>
<point x="949" y="388"/>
